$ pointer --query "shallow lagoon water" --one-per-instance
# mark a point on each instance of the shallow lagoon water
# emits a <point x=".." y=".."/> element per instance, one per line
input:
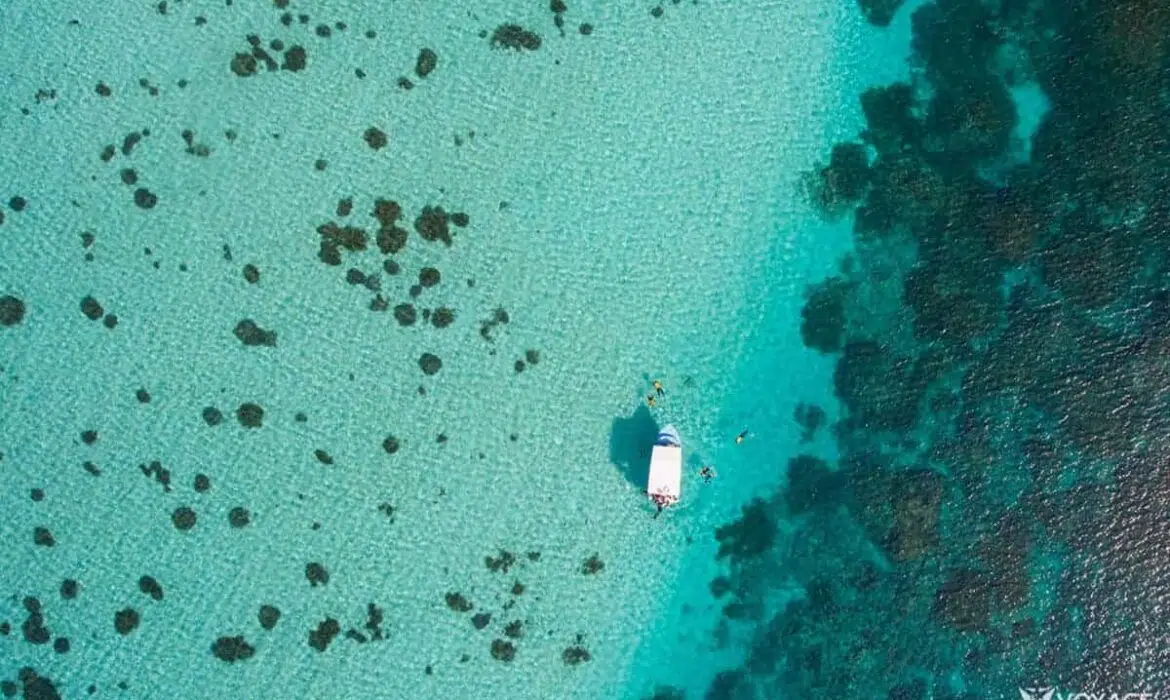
<point x="629" y="192"/>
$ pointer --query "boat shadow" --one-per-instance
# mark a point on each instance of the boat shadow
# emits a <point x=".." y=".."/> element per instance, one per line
<point x="631" y="439"/>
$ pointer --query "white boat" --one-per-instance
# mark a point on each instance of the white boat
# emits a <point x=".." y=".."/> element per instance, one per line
<point x="665" y="483"/>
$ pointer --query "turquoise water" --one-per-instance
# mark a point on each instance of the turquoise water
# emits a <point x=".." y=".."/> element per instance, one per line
<point x="426" y="452"/>
<point x="635" y="207"/>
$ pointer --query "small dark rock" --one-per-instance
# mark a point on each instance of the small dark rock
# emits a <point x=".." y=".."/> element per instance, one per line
<point x="202" y="483"/>
<point x="442" y="317"/>
<point x="431" y="225"/>
<point x="391" y="239"/>
<point x="387" y="211"/>
<point x="532" y="356"/>
<point x="503" y="650"/>
<point x="294" y="59"/>
<point x="513" y="36"/>
<point x="426" y="62"/>
<point x="151" y="587"/>
<point x="244" y="65"/>
<point x="316" y="574"/>
<point x="69" y="589"/>
<point x="323" y="457"/>
<point x="405" y="314"/>
<point x="212" y="416"/>
<point x="126" y="620"/>
<point x="239" y="517"/>
<point x="183" y="518"/>
<point x="514" y="629"/>
<point x="429" y="277"/>
<point x="33" y="629"/>
<point x="390" y="444"/>
<point x="458" y="603"/>
<point x="144" y="198"/>
<point x="375" y="138"/>
<point x="429" y="364"/>
<point x="268" y="616"/>
<point x="43" y="538"/>
<point x="36" y="687"/>
<point x="325" y="633"/>
<point x="592" y="565"/>
<point x="232" y="649"/>
<point x="573" y="656"/>
<point x="11" y="310"/>
<point x="142" y="395"/>
<point x="251" y="334"/>
<point x="251" y="273"/>
<point x="250" y="415"/>
<point x="91" y="308"/>
<point x="501" y="563"/>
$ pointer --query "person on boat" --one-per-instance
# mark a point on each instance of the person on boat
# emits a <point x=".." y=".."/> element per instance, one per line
<point x="658" y="389"/>
<point x="739" y="438"/>
<point x="650" y="401"/>
<point x="708" y="473"/>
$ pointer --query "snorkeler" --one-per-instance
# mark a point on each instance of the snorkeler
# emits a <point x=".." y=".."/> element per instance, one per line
<point x="708" y="473"/>
<point x="739" y="438"/>
<point x="658" y="389"/>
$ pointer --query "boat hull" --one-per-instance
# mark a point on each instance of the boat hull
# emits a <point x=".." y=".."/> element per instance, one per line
<point x="664" y="485"/>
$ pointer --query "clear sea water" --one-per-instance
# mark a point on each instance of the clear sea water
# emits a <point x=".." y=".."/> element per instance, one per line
<point x="626" y="202"/>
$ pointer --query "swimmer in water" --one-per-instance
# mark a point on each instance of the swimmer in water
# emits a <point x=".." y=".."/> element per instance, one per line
<point x="658" y="389"/>
<point x="650" y="401"/>
<point x="739" y="438"/>
<point x="708" y="473"/>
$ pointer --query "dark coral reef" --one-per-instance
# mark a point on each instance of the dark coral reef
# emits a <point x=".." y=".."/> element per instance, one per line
<point x="996" y="517"/>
